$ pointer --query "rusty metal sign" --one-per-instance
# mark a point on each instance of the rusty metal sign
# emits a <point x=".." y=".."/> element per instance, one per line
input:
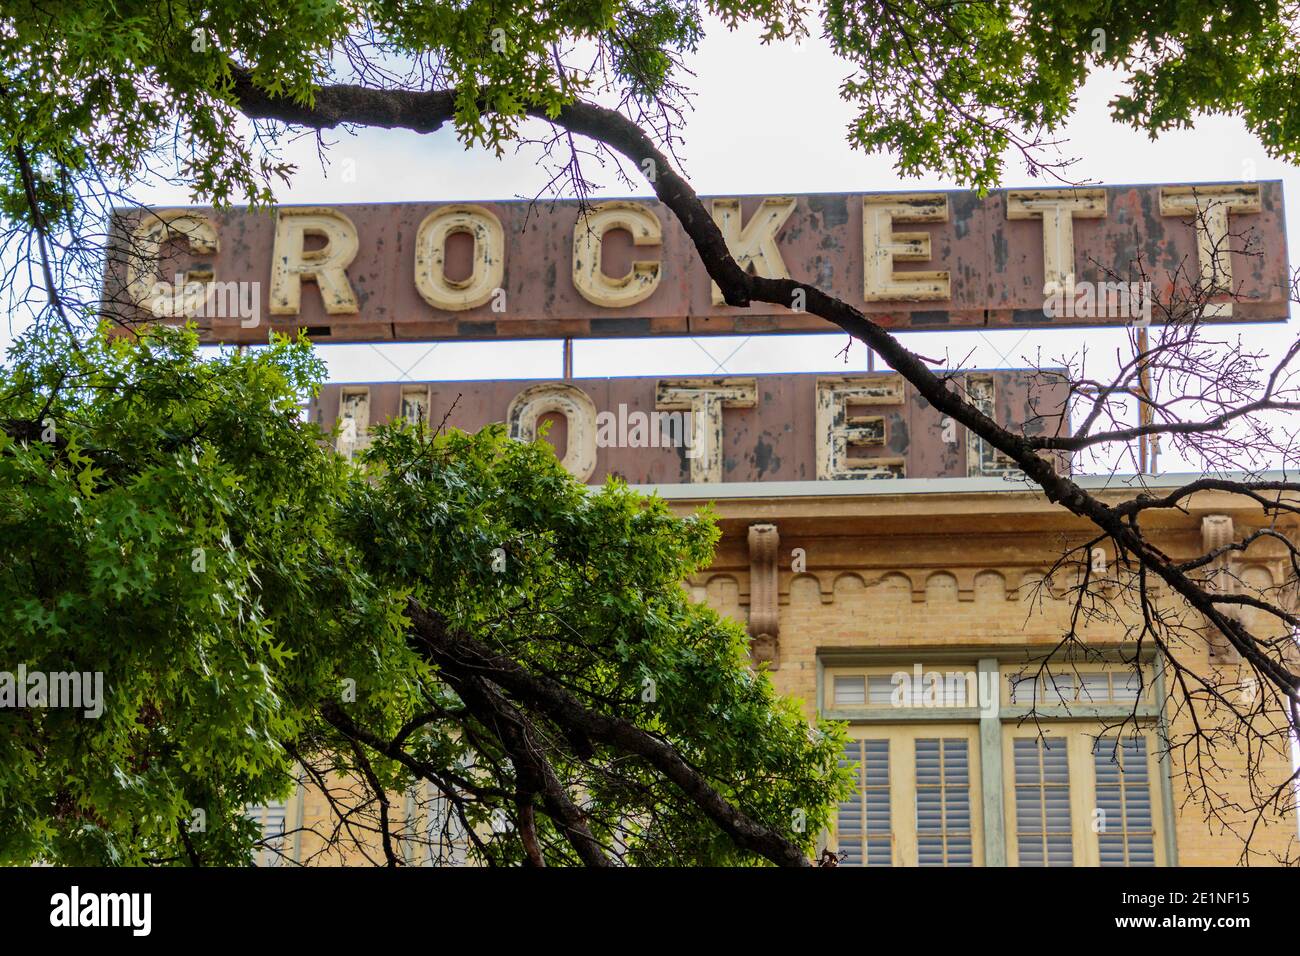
<point x="408" y="271"/>
<point x="788" y="427"/>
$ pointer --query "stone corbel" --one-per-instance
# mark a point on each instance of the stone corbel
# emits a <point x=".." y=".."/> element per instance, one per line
<point x="1220" y="578"/>
<point x="764" y="628"/>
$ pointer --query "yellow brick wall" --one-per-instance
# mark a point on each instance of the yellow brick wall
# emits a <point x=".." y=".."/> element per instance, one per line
<point x="969" y="591"/>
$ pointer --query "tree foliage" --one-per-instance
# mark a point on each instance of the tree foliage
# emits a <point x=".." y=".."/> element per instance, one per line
<point x="519" y="691"/>
<point x="99" y="89"/>
<point x="173" y="524"/>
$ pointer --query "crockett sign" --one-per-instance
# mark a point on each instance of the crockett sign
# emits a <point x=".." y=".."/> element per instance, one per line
<point x="625" y="268"/>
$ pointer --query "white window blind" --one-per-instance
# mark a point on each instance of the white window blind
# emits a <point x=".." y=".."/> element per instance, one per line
<point x="880" y="690"/>
<point x="850" y="691"/>
<point x="1120" y="685"/>
<point x="445" y="836"/>
<point x="1094" y="688"/>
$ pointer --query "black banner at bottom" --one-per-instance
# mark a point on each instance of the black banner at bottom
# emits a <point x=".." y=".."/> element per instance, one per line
<point x="126" y="907"/>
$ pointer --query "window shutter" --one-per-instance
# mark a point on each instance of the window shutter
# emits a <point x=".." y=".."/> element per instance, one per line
<point x="880" y="690"/>
<point x="943" y="819"/>
<point x="1042" y="785"/>
<point x="862" y="825"/>
<point x="1127" y="686"/>
<point x="1127" y="832"/>
<point x="1058" y="688"/>
<point x="1094" y="688"/>
<point x="1023" y="690"/>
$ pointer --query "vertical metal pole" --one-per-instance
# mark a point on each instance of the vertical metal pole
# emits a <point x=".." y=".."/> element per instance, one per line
<point x="568" y="358"/>
<point x="1146" y="416"/>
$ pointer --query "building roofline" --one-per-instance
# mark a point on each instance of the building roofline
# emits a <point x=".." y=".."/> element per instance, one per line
<point x="865" y="487"/>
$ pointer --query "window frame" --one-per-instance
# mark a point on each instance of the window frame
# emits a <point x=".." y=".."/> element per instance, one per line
<point x="943" y="711"/>
<point x="905" y="842"/>
<point x="1054" y="705"/>
<point x="1086" y="844"/>
<point x="1076" y="718"/>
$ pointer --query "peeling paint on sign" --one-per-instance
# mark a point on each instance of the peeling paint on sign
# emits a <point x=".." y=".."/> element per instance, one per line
<point x="945" y="259"/>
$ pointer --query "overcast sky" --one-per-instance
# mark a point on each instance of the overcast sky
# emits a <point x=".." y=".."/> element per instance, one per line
<point x="766" y="120"/>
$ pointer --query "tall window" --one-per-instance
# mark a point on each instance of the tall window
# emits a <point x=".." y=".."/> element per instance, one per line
<point x="1126" y="826"/>
<point x="1043" y="827"/>
<point x="1074" y="791"/>
<point x="866" y="838"/>
<point x="1080" y="798"/>
<point x="915" y="804"/>
<point x="438" y="836"/>
<point x="943" y="818"/>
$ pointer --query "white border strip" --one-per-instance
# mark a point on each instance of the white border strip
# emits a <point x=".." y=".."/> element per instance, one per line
<point x="931" y="486"/>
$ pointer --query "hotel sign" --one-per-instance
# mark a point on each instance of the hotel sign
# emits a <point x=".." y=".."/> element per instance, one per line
<point x="932" y="260"/>
<point x="669" y="430"/>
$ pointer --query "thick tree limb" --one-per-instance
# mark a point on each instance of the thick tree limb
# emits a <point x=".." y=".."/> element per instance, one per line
<point x="459" y="654"/>
<point x="534" y="772"/>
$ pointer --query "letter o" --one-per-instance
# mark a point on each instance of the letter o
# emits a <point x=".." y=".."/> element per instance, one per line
<point x="457" y="295"/>
<point x="577" y="408"/>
